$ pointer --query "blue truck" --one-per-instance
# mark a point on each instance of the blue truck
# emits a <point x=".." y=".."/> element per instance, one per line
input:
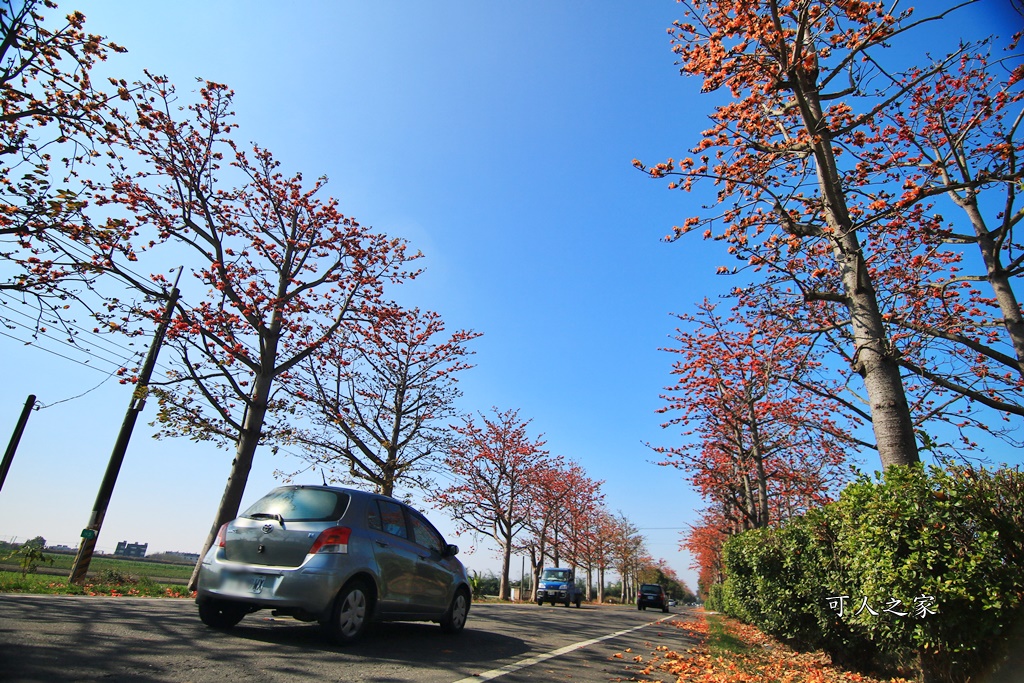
<point x="558" y="584"/>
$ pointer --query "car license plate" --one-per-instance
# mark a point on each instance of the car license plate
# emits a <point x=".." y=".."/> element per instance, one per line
<point x="245" y="583"/>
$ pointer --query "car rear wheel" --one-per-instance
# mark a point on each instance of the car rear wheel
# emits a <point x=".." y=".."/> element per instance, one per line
<point x="351" y="614"/>
<point x="222" y="615"/>
<point x="454" y="619"/>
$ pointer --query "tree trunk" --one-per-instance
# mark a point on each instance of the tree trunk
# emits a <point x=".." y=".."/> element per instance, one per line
<point x="506" y="561"/>
<point x="873" y="352"/>
<point x="873" y="360"/>
<point x="535" y="564"/>
<point x="758" y="457"/>
<point x="245" y="451"/>
<point x="998" y="279"/>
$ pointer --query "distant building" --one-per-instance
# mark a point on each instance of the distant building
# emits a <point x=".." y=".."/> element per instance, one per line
<point x="185" y="557"/>
<point x="126" y="549"/>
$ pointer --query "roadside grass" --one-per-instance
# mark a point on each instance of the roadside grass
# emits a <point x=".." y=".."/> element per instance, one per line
<point x="103" y="583"/>
<point x="722" y="641"/>
<point x="732" y="652"/>
<point x="99" y="563"/>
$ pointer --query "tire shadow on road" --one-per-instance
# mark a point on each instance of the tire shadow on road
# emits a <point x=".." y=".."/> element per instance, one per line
<point x="399" y="642"/>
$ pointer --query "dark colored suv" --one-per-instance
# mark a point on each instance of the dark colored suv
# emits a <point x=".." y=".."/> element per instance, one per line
<point x="338" y="556"/>
<point x="651" y="595"/>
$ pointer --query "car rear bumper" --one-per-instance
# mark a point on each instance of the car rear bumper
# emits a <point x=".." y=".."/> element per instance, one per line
<point x="310" y="587"/>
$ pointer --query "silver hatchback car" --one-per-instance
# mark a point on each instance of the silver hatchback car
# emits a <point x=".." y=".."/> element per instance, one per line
<point x="339" y="556"/>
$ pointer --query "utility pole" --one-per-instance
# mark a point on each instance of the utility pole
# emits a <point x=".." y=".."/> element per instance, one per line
<point x="522" y="575"/>
<point x="92" y="531"/>
<point x="5" y="465"/>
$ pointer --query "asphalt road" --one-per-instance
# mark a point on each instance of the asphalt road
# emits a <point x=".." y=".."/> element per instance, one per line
<point x="54" y="638"/>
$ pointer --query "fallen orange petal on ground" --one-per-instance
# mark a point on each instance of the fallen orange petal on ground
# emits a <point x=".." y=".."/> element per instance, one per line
<point x="765" y="659"/>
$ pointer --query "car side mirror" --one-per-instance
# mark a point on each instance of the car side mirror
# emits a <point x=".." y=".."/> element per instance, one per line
<point x="451" y="550"/>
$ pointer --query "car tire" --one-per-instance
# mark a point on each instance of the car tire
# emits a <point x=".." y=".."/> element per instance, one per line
<point x="639" y="606"/>
<point x="579" y="601"/>
<point x="454" y="620"/>
<point x="540" y="603"/>
<point x="221" y="615"/>
<point x="351" y="613"/>
<point x="665" y="608"/>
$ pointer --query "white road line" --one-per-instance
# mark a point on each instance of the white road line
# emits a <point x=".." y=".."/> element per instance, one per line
<point x="530" y="661"/>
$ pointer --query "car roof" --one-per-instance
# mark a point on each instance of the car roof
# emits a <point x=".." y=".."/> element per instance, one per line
<point x="339" y="489"/>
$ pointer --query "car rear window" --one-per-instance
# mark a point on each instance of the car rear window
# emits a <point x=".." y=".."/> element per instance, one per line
<point x="301" y="505"/>
<point x="650" y="588"/>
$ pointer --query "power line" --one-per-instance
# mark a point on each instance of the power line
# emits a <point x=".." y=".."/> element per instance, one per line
<point x="82" y="252"/>
<point x="43" y="348"/>
<point x="72" y="398"/>
<point x="120" y="361"/>
<point x="92" y="348"/>
<point x="68" y="324"/>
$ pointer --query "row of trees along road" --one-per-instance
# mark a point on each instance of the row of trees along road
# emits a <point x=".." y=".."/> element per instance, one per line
<point x="285" y="334"/>
<point x="507" y="487"/>
<point x="871" y="204"/>
<point x="283" y="284"/>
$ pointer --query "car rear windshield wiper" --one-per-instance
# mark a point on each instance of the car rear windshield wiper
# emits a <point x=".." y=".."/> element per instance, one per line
<point x="268" y="515"/>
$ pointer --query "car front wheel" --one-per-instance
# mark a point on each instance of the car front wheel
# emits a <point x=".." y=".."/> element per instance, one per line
<point x="454" y="620"/>
<point x="351" y="614"/>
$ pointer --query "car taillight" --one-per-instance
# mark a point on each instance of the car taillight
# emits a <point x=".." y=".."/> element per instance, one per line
<point x="221" y="536"/>
<point x="333" y="540"/>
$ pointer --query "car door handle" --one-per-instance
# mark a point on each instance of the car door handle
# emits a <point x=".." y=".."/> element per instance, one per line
<point x="424" y="557"/>
<point x="382" y="544"/>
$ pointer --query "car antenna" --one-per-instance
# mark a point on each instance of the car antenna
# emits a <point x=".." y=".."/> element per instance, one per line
<point x="323" y="476"/>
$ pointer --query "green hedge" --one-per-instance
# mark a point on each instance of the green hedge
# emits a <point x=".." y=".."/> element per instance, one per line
<point x="937" y="555"/>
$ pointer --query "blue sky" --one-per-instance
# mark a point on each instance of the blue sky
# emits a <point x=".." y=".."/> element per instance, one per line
<point x="497" y="139"/>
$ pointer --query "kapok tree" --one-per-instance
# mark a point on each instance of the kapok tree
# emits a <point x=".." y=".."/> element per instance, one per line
<point x="563" y="519"/>
<point x="49" y="107"/>
<point x="801" y="78"/>
<point x="936" y="172"/>
<point x="628" y="553"/>
<point x="954" y="143"/>
<point x="704" y="543"/>
<point x="760" y="428"/>
<point x="280" y="271"/>
<point x="493" y="462"/>
<point x="659" y="572"/>
<point x="379" y="402"/>
<point x="602" y="546"/>
<point x="581" y="510"/>
<point x="549" y="486"/>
